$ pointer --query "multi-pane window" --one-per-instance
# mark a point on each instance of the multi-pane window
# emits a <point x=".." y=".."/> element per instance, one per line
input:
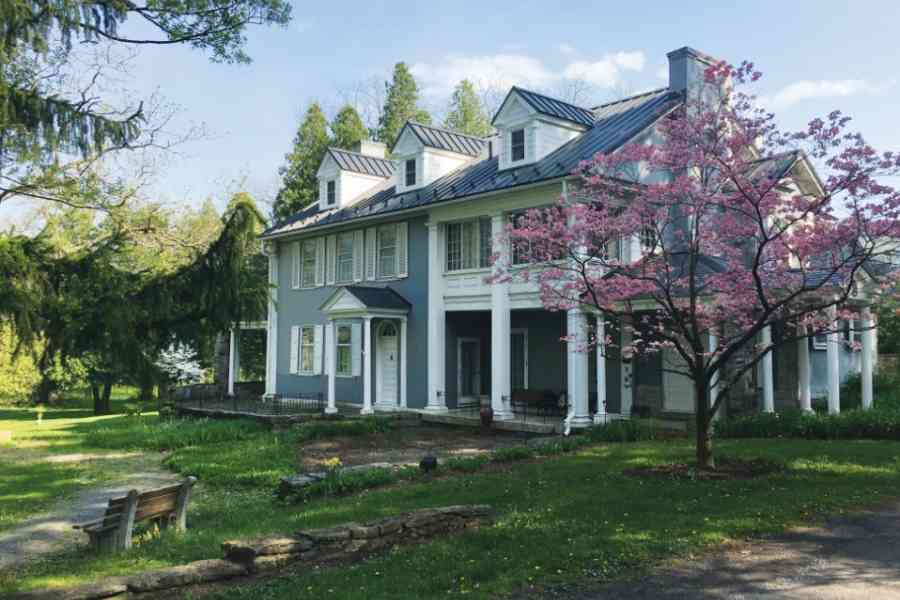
<point x="344" y="258"/>
<point x="469" y="244"/>
<point x="517" y="144"/>
<point x="410" y="171"/>
<point x="648" y="239"/>
<point x="308" y="263"/>
<point x="331" y="192"/>
<point x="344" y="351"/>
<point x="387" y="251"/>
<point x="307" y="349"/>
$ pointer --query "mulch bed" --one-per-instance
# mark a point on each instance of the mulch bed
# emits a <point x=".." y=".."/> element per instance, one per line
<point x="726" y="469"/>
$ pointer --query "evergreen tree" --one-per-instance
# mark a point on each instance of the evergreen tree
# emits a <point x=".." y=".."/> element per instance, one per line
<point x="299" y="186"/>
<point x="347" y="128"/>
<point x="400" y="105"/>
<point x="467" y="114"/>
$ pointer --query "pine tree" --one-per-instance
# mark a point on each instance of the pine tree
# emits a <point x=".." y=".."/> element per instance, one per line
<point x="400" y="105"/>
<point x="299" y="186"/>
<point x="347" y="128"/>
<point x="467" y="114"/>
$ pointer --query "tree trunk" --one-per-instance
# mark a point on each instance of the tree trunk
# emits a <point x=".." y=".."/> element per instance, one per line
<point x="101" y="398"/>
<point x="704" y="448"/>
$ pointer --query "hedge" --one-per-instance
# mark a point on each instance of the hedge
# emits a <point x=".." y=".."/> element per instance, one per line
<point x="875" y="424"/>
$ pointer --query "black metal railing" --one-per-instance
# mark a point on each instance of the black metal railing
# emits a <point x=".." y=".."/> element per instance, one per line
<point x="208" y="398"/>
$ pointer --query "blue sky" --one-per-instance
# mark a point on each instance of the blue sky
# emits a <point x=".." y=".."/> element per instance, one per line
<point x="816" y="56"/>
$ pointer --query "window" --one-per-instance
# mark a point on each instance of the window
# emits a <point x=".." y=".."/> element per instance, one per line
<point x="469" y="245"/>
<point x="410" y="172"/>
<point x="344" y="258"/>
<point x="517" y="145"/>
<point x="308" y="263"/>
<point x="307" y="349"/>
<point x="820" y="341"/>
<point x="387" y="251"/>
<point x="648" y="239"/>
<point x="344" y="351"/>
<point x="331" y="194"/>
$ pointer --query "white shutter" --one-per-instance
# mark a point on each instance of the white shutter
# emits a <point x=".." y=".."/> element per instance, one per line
<point x="402" y="260"/>
<point x="331" y="259"/>
<point x="320" y="261"/>
<point x="295" y="265"/>
<point x="295" y="348"/>
<point x="370" y="254"/>
<point x="317" y="350"/>
<point x="359" y="252"/>
<point x="356" y="347"/>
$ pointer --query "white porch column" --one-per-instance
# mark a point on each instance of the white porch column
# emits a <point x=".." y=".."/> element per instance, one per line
<point x="330" y="360"/>
<point x="500" y="334"/>
<point x="403" y="363"/>
<point x="868" y="335"/>
<point x="367" y="367"/>
<point x="232" y="359"/>
<point x="834" y="366"/>
<point x="626" y="371"/>
<point x="437" y="323"/>
<point x="768" y="379"/>
<point x="714" y="382"/>
<point x="577" y="364"/>
<point x="600" y="349"/>
<point x="804" y="374"/>
<point x="272" y="325"/>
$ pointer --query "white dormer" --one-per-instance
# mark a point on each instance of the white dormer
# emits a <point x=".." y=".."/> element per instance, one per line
<point x="347" y="176"/>
<point x="423" y="153"/>
<point x="531" y="126"/>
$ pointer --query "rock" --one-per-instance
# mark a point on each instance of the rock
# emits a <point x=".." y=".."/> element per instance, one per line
<point x="326" y="534"/>
<point x="423" y="518"/>
<point x="247" y="550"/>
<point x="201" y="571"/>
<point x="390" y="525"/>
<point x="358" y="531"/>
<point x="467" y="510"/>
<point x="272" y="562"/>
<point x="94" y="591"/>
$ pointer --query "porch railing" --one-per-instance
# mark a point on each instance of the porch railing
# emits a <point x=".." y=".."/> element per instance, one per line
<point x="202" y="397"/>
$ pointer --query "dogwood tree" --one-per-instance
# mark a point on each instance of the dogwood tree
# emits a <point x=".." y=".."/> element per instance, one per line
<point x="737" y="234"/>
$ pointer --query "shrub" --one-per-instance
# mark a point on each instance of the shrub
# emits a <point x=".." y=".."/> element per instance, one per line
<point x="466" y="464"/>
<point x="880" y="424"/>
<point x="512" y="454"/>
<point x="341" y="483"/>
<point x="623" y="430"/>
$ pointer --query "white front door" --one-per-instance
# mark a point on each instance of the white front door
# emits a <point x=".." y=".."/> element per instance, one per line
<point x="468" y="360"/>
<point x="386" y="373"/>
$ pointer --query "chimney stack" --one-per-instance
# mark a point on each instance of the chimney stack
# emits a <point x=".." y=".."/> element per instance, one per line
<point x="370" y="148"/>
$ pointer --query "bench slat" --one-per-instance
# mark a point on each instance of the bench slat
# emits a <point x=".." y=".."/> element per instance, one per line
<point x="172" y="489"/>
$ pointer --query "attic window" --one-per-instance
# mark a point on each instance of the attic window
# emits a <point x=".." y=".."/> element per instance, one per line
<point x="517" y="146"/>
<point x="331" y="196"/>
<point x="410" y="172"/>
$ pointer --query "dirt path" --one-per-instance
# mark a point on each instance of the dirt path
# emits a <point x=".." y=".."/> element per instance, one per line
<point x="850" y="557"/>
<point x="52" y="531"/>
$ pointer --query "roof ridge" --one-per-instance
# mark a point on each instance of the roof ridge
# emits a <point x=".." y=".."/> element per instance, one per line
<point x="542" y="95"/>
<point x="446" y="130"/>
<point x="619" y="101"/>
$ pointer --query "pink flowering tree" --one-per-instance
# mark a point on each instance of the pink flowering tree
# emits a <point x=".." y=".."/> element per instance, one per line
<point x="741" y="226"/>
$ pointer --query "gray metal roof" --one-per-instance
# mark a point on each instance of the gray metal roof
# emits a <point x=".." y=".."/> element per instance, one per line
<point x="379" y="297"/>
<point x="362" y="163"/>
<point x="553" y="107"/>
<point x="445" y="139"/>
<point x="483" y="175"/>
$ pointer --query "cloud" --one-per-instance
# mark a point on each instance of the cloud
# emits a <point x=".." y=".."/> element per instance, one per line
<point x="507" y="69"/>
<point x="823" y="88"/>
<point x="566" y="49"/>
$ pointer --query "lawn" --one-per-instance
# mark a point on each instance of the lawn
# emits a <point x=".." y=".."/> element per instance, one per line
<point x="559" y="519"/>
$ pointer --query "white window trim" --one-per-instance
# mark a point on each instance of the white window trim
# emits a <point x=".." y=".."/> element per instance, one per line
<point x="524" y="129"/>
<point x="300" y="369"/>
<point x="378" y="274"/>
<point x="337" y="262"/>
<point x="337" y="346"/>
<point x="820" y="341"/>
<point x="477" y="250"/>
<point x="315" y="266"/>
<point x="331" y="183"/>
<point x="415" y="163"/>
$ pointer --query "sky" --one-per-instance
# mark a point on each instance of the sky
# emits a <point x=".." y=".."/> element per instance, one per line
<point x="815" y="56"/>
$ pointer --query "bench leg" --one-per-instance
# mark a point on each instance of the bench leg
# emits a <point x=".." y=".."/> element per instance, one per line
<point x="126" y="522"/>
<point x="181" y="503"/>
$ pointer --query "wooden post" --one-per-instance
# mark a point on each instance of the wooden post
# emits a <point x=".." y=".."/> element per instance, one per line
<point x="126" y="521"/>
<point x="181" y="503"/>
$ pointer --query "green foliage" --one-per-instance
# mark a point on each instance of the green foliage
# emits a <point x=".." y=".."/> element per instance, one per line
<point x="401" y="105"/>
<point x="466" y="464"/>
<point x="877" y="424"/>
<point x="888" y="318"/>
<point x="151" y="434"/>
<point x="511" y="454"/>
<point x="467" y="113"/>
<point x="886" y="386"/>
<point x="623" y="430"/>
<point x="342" y="483"/>
<point x="347" y="128"/>
<point x="299" y="186"/>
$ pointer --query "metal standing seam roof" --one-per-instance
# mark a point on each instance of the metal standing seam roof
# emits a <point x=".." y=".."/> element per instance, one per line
<point x="379" y="297"/>
<point x="552" y="107"/>
<point x="617" y="124"/>
<point x="362" y="163"/>
<point x="444" y="139"/>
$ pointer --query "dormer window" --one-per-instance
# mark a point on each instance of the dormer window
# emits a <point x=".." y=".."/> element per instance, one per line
<point x="517" y="144"/>
<point x="331" y="194"/>
<point x="410" y="170"/>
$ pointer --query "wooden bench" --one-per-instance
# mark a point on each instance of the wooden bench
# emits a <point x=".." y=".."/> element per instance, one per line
<point x="164" y="506"/>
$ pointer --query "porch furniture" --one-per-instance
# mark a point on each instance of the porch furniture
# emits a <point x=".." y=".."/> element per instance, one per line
<point x="541" y="402"/>
<point x="164" y="506"/>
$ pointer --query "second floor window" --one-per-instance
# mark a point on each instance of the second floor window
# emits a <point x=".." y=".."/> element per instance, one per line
<point x="410" y="172"/>
<point x="308" y="263"/>
<point x="387" y="251"/>
<point x="517" y="145"/>
<point x="469" y="244"/>
<point x="344" y="258"/>
<point x="331" y="192"/>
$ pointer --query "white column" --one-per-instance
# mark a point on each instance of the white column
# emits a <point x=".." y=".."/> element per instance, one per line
<point x="367" y="367"/>
<point x="232" y="356"/>
<point x="626" y="371"/>
<point x="868" y="335"/>
<point x="403" y="363"/>
<point x="577" y="364"/>
<point x="804" y="373"/>
<point x="833" y="362"/>
<point x="768" y="379"/>
<point x="330" y="360"/>
<point x="500" y="334"/>
<point x="714" y="382"/>
<point x="437" y="323"/>
<point x="272" y="327"/>
<point x="600" y="349"/>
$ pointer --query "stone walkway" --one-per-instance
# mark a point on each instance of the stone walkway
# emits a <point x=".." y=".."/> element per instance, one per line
<point x="52" y="531"/>
<point x="851" y="557"/>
